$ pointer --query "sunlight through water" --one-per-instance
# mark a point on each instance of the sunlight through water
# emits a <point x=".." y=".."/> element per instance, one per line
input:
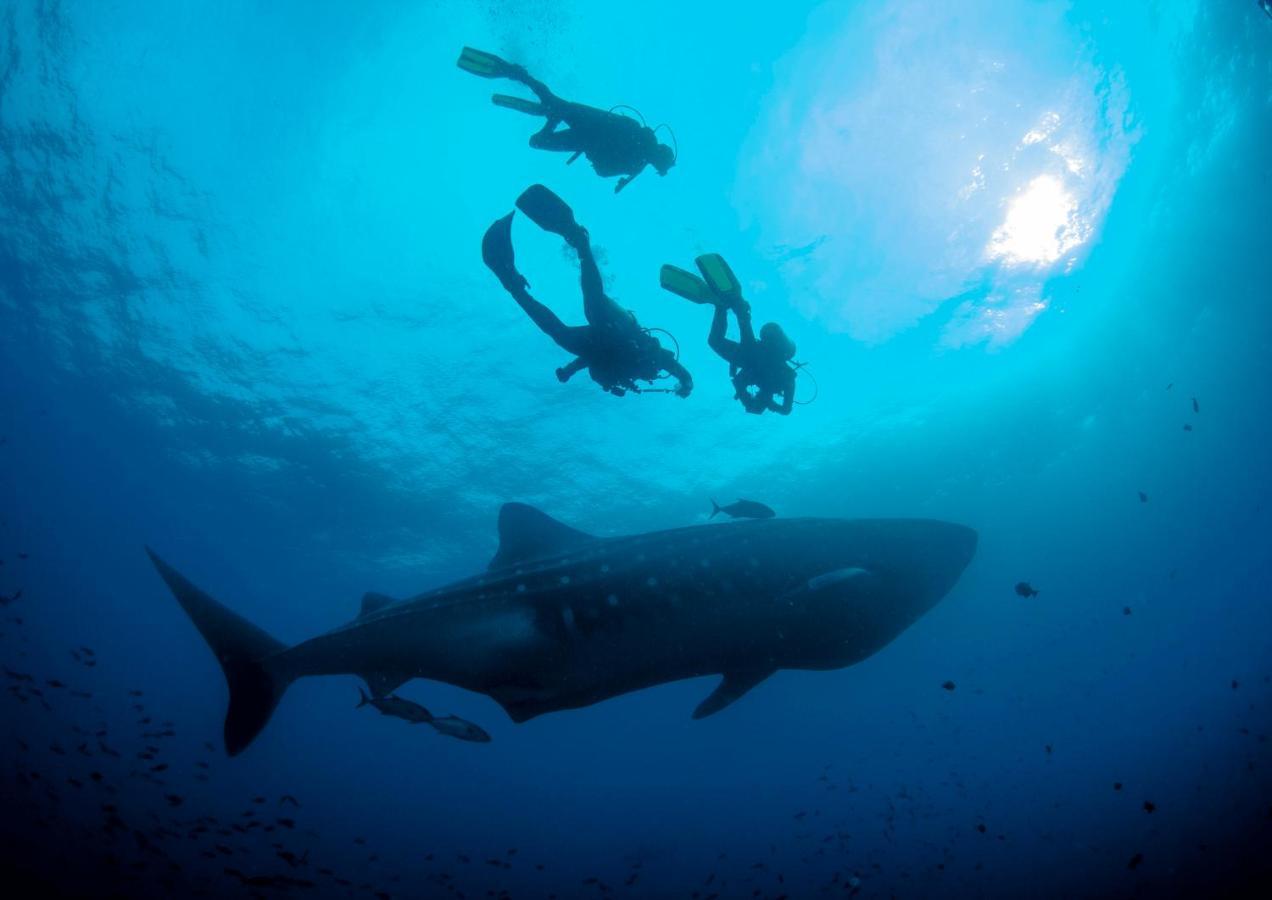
<point x="1042" y="225"/>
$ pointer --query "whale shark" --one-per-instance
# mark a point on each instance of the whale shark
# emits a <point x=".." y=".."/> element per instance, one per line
<point x="562" y="619"/>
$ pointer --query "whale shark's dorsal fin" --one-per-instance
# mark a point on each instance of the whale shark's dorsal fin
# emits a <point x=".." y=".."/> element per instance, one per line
<point x="373" y="603"/>
<point x="734" y="685"/>
<point x="526" y="534"/>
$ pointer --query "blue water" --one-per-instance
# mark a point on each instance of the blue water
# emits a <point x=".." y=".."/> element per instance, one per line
<point x="244" y="320"/>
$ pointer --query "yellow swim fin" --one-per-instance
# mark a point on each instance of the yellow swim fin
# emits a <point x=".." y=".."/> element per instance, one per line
<point x="685" y="284"/>
<point x="719" y="276"/>
<point x="481" y="63"/>
<point x="530" y="107"/>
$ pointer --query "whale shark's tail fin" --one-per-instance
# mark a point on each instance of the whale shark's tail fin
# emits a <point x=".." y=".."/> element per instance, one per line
<point x="715" y="509"/>
<point x="241" y="648"/>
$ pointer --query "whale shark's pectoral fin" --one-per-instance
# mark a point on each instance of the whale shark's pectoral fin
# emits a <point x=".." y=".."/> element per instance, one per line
<point x="734" y="685"/>
<point x="381" y="684"/>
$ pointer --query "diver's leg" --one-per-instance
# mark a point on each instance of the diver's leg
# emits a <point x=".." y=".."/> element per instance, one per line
<point x="559" y="141"/>
<point x="727" y="350"/>
<point x="582" y="120"/>
<point x="541" y="90"/>
<point x="568" y="337"/>
<point x="552" y="104"/>
<point x="597" y="307"/>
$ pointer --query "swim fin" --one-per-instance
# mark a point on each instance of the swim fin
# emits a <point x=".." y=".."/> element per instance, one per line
<point x="520" y="104"/>
<point x="497" y="254"/>
<point x="719" y="276"/>
<point x="547" y="210"/>
<point x="481" y="63"/>
<point x="685" y="284"/>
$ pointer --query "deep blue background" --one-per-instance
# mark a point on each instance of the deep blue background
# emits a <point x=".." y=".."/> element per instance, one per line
<point x="243" y="320"/>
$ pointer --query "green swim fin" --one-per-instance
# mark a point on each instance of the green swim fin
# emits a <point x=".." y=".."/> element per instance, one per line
<point x="481" y="63"/>
<point x="530" y="107"/>
<point x="547" y="210"/>
<point x="685" y="284"/>
<point x="719" y="276"/>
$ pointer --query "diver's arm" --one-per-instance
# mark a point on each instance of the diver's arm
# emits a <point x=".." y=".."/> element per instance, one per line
<point x="570" y="369"/>
<point x="628" y="179"/>
<point x="684" y="380"/>
<point x="788" y="396"/>
<point x="728" y="350"/>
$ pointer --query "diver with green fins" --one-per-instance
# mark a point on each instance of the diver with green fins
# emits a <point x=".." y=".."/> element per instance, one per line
<point x="760" y="369"/>
<point x="613" y="347"/>
<point x="614" y="144"/>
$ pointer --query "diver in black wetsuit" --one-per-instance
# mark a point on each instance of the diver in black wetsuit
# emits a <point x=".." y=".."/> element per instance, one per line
<point x="760" y="368"/>
<point x="613" y="347"/>
<point x="760" y="364"/>
<point x="614" y="144"/>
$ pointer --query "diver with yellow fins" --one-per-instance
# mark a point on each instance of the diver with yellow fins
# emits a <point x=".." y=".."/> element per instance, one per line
<point x="613" y="347"/>
<point x="614" y="144"/>
<point x="760" y="369"/>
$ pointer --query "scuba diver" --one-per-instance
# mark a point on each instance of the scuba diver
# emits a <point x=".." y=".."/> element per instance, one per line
<point x="759" y="368"/>
<point x="613" y="347"/>
<point x="614" y="144"/>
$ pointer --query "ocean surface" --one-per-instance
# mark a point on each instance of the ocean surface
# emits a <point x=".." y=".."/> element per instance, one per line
<point x="1023" y="248"/>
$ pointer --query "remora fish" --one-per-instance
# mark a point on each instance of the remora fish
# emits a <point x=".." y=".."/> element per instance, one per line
<point x="742" y="509"/>
<point x="398" y="707"/>
<point x="410" y="711"/>
<point x="562" y="619"/>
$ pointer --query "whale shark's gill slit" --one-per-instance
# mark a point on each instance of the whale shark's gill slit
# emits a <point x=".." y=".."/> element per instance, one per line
<point x="839" y="576"/>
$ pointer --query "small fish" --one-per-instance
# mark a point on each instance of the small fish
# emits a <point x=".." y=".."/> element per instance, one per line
<point x="742" y="509"/>
<point x="1197" y="406"/>
<point x="980" y="826"/>
<point x="1025" y="589"/>
<point x="454" y="726"/>
<point x="398" y="707"/>
<point x="1135" y="860"/>
<point x="1149" y="806"/>
<point x="288" y="798"/>
<point x="1143" y="497"/>
<point x="1187" y="428"/>
<point x="1126" y="610"/>
<point x="949" y="685"/>
<point x="1117" y="785"/>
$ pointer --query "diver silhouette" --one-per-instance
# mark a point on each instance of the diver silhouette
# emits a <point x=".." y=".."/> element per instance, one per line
<point x="614" y="144"/>
<point x="613" y="347"/>
<point x="760" y="367"/>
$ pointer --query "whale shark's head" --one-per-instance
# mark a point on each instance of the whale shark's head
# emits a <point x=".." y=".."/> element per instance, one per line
<point x="854" y="585"/>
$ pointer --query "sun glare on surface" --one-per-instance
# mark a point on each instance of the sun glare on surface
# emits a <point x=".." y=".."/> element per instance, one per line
<point x="1042" y="225"/>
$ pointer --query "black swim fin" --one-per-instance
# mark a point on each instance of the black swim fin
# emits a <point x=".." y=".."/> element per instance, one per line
<point x="497" y="254"/>
<point x="547" y="210"/>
